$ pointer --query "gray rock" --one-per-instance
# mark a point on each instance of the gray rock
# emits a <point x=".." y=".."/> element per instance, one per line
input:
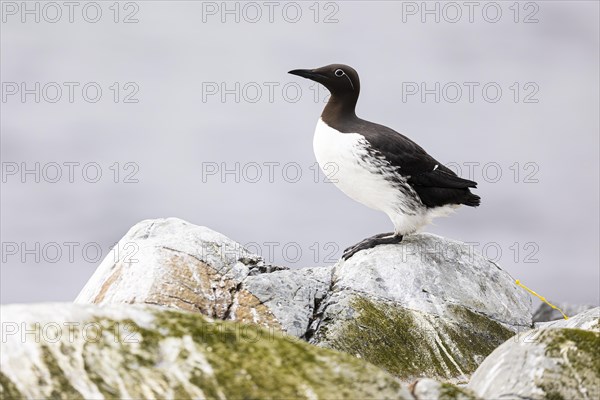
<point x="175" y="264"/>
<point x="559" y="363"/>
<point x="427" y="307"/>
<point x="588" y="320"/>
<point x="68" y="351"/>
<point x="546" y="313"/>
<point x="429" y="273"/>
<point x="172" y="263"/>
<point x="292" y="296"/>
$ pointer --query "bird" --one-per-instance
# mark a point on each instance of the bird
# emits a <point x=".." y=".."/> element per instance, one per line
<point x="379" y="167"/>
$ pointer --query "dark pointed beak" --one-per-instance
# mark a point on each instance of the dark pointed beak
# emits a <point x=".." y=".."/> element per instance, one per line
<point x="308" y="74"/>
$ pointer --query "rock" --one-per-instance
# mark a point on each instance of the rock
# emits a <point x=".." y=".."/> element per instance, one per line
<point x="428" y="307"/>
<point x="292" y="296"/>
<point x="427" y="389"/>
<point x="66" y="351"/>
<point x="172" y="263"/>
<point x="560" y="363"/>
<point x="546" y="313"/>
<point x="588" y="320"/>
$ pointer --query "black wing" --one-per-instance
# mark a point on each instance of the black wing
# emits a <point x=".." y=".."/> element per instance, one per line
<point x="435" y="184"/>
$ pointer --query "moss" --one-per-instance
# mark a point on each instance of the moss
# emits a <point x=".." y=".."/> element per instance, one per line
<point x="206" y="383"/>
<point x="582" y="348"/>
<point x="551" y="394"/>
<point x="183" y="354"/>
<point x="445" y="359"/>
<point x="585" y="346"/>
<point x="476" y="338"/>
<point x="108" y="391"/>
<point x="488" y="326"/>
<point x="179" y="392"/>
<point x="398" y="341"/>
<point x="239" y="362"/>
<point x="62" y="388"/>
<point x="250" y="362"/>
<point x="129" y="347"/>
<point x="577" y="353"/>
<point x="388" y="337"/>
<point x="8" y="390"/>
<point x="452" y="392"/>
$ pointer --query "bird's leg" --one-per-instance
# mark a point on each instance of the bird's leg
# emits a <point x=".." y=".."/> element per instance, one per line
<point x="378" y="236"/>
<point x="382" y="238"/>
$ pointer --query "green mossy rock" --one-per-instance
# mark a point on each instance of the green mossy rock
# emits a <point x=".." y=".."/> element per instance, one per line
<point x="411" y="344"/>
<point x="133" y="351"/>
<point x="553" y="363"/>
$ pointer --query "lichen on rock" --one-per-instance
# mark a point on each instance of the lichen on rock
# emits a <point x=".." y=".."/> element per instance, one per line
<point x="179" y="311"/>
<point x="454" y="305"/>
<point x="412" y="344"/>
<point x="577" y="351"/>
<point x="427" y="389"/>
<point x="557" y="363"/>
<point x="148" y="352"/>
<point x="427" y="307"/>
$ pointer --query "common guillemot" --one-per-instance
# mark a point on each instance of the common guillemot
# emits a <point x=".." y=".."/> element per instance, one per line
<point x="378" y="166"/>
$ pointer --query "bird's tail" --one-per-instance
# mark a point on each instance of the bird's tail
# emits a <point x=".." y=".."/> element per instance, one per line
<point x="471" y="200"/>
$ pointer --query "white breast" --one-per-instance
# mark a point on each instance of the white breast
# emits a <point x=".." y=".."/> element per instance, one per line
<point x="345" y="160"/>
<point x="341" y="157"/>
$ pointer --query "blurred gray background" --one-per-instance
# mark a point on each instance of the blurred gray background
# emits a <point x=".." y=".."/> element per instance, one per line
<point x="539" y="219"/>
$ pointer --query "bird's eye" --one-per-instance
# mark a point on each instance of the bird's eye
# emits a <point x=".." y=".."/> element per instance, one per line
<point x="339" y="72"/>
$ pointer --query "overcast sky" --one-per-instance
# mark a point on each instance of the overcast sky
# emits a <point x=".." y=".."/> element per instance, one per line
<point x="186" y="110"/>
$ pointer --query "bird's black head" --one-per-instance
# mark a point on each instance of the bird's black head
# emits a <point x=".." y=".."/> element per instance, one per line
<point x="341" y="80"/>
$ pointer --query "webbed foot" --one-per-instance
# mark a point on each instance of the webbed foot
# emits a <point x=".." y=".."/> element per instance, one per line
<point x="382" y="238"/>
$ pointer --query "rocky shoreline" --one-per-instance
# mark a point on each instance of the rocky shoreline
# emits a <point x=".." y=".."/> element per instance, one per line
<point x="180" y="311"/>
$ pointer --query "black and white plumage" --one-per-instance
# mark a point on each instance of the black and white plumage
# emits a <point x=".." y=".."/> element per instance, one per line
<point x="378" y="166"/>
